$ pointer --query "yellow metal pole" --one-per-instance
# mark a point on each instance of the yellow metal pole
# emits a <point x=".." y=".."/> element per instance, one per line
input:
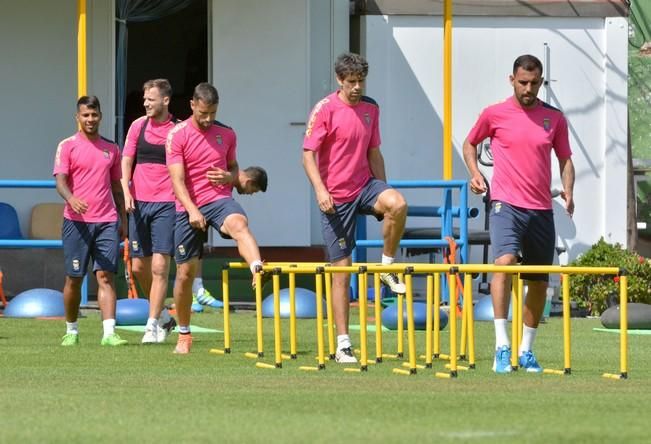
<point x="447" y="90"/>
<point x="377" y="288"/>
<point x="82" y="83"/>
<point x="277" y="333"/>
<point x="452" y="281"/>
<point x="520" y="308"/>
<point x="330" y="316"/>
<point x="428" y="320"/>
<point x="437" y="315"/>
<point x="515" y="330"/>
<point x="401" y="329"/>
<point x="319" y="317"/>
<point x="623" y="325"/>
<point x="227" y="314"/>
<point x="363" y="314"/>
<point x="258" y="311"/>
<point x="468" y="305"/>
<point x="567" y="340"/>
<point x="292" y="315"/>
<point x="411" y="336"/>
<point x="464" y="331"/>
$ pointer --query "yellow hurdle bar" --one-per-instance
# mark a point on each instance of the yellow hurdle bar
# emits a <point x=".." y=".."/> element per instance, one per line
<point x="428" y="320"/>
<point x="567" y="334"/>
<point x="452" y="284"/>
<point x="277" y="332"/>
<point x="363" y="314"/>
<point x="258" y="310"/>
<point x="467" y="303"/>
<point x="292" y="316"/>
<point x="377" y="291"/>
<point x="318" y="276"/>
<point x="330" y="316"/>
<point x="411" y="335"/>
<point x="227" y="314"/>
<point x="515" y="322"/>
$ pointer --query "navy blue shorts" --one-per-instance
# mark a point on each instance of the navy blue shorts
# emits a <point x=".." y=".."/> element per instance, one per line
<point x="531" y="233"/>
<point x="339" y="228"/>
<point x="189" y="241"/>
<point x="82" y="240"/>
<point x="151" y="229"/>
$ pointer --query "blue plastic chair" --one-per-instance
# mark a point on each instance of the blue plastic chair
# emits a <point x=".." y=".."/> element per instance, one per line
<point x="9" y="225"/>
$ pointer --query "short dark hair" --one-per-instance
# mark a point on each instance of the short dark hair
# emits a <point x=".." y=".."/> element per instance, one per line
<point x="207" y="93"/>
<point x="91" y="102"/>
<point x="350" y="63"/>
<point x="163" y="86"/>
<point x="528" y="63"/>
<point x="258" y="175"/>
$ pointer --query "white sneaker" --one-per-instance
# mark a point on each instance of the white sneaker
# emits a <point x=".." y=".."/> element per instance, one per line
<point x="165" y="329"/>
<point x="151" y="336"/>
<point x="345" y="356"/>
<point x="391" y="280"/>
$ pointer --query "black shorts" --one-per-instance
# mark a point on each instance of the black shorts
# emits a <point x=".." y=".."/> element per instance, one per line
<point x="83" y="240"/>
<point x="151" y="229"/>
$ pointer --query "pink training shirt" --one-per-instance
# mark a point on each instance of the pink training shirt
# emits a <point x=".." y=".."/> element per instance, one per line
<point x="521" y="142"/>
<point x="197" y="151"/>
<point x="342" y="135"/>
<point x="91" y="166"/>
<point x="150" y="181"/>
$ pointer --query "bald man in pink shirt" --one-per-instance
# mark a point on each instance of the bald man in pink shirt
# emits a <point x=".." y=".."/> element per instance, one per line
<point x="202" y="162"/>
<point x="523" y="132"/>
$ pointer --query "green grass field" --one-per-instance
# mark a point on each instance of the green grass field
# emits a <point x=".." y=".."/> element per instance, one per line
<point x="146" y="394"/>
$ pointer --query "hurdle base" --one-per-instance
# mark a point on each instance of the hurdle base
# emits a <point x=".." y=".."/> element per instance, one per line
<point x="216" y="351"/>
<point x="428" y="365"/>
<point x="459" y="367"/>
<point x="264" y="365"/>
<point x="442" y="375"/>
<point x="331" y="356"/>
<point x="623" y="375"/>
<point x="400" y="355"/>
<point x="551" y="371"/>
<point x="399" y="371"/>
<point x="378" y="360"/>
<point x="293" y="356"/>
<point x="471" y="366"/>
<point x="462" y="357"/>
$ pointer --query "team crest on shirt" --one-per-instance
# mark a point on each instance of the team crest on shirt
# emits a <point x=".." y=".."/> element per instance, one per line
<point x="219" y="139"/>
<point x="135" y="246"/>
<point x="547" y="124"/>
<point x="181" y="249"/>
<point x="106" y="154"/>
<point x="367" y="118"/>
<point x="342" y="244"/>
<point x="75" y="265"/>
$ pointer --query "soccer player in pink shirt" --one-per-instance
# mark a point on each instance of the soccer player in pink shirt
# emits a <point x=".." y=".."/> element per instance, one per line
<point x="87" y="171"/>
<point x="342" y="159"/>
<point x="149" y="200"/>
<point x="202" y="162"/>
<point x="523" y="132"/>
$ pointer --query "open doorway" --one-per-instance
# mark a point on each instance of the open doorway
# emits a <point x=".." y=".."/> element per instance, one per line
<point x="174" y="47"/>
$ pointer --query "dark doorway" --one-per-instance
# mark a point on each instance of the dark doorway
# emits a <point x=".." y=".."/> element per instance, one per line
<point x="174" y="47"/>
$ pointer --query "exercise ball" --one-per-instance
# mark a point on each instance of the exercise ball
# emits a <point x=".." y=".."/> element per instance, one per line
<point x="131" y="311"/>
<point x="484" y="309"/>
<point x="390" y="316"/>
<point x="305" y="304"/>
<point x="639" y="316"/>
<point x="37" y="302"/>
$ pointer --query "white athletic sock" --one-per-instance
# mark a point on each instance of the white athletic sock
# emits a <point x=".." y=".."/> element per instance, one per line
<point x="72" y="328"/>
<point x="528" y="336"/>
<point x="184" y="329"/>
<point x="109" y="327"/>
<point x="254" y="264"/>
<point x="501" y="335"/>
<point x="343" y="341"/>
<point x="387" y="260"/>
<point x="152" y="323"/>
<point x="197" y="284"/>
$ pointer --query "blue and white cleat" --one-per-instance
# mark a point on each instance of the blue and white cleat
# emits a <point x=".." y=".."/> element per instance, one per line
<point x="528" y="362"/>
<point x="502" y="362"/>
<point x="204" y="297"/>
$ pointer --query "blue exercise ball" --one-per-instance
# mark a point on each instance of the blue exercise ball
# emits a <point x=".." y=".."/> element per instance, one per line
<point x="305" y="304"/>
<point x="390" y="316"/>
<point x="131" y="311"/>
<point x="37" y="302"/>
<point x="484" y="309"/>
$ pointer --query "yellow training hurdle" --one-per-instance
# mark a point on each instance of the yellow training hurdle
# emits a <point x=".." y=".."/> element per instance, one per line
<point x="462" y="351"/>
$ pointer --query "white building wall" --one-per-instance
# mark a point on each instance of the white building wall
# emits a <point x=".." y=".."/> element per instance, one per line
<point x="586" y="66"/>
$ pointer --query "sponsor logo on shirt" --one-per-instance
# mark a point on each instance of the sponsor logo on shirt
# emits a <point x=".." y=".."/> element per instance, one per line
<point x="75" y="265"/>
<point x="367" y="118"/>
<point x="547" y="124"/>
<point x="134" y="245"/>
<point x="315" y="111"/>
<point x="219" y="139"/>
<point x="342" y="244"/>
